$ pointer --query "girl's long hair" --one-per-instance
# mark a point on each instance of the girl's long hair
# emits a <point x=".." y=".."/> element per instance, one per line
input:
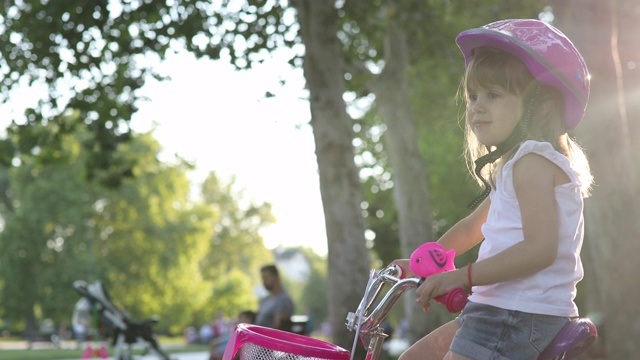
<point x="490" y="66"/>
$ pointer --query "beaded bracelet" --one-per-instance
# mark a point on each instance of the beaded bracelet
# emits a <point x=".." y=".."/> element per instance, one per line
<point x="469" y="278"/>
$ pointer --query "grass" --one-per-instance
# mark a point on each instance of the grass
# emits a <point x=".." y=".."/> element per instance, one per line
<point x="66" y="353"/>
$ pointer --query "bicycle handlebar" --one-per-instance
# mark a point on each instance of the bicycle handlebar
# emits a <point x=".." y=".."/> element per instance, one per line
<point x="365" y="322"/>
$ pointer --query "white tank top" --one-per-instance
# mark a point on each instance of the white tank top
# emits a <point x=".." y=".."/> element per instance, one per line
<point x="550" y="291"/>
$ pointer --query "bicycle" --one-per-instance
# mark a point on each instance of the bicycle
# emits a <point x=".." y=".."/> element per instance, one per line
<point x="252" y="342"/>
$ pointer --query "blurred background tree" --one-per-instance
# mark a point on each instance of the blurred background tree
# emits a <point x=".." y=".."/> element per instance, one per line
<point x="148" y="241"/>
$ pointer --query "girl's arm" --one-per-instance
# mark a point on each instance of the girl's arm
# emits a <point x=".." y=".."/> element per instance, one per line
<point x="467" y="232"/>
<point x="535" y="179"/>
<point x="462" y="236"/>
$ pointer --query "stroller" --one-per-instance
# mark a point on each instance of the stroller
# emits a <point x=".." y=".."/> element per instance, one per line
<point x="126" y="331"/>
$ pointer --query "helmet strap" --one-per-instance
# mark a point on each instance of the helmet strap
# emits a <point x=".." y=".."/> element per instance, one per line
<point x="517" y="136"/>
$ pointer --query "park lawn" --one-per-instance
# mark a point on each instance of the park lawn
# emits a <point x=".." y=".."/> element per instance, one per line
<point x="60" y="354"/>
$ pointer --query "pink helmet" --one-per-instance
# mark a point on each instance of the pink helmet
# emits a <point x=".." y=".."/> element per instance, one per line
<point x="549" y="55"/>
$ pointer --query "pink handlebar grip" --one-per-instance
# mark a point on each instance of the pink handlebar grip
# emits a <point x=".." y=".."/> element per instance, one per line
<point x="454" y="300"/>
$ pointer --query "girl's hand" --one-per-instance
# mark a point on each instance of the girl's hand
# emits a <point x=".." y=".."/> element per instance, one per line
<point x="437" y="285"/>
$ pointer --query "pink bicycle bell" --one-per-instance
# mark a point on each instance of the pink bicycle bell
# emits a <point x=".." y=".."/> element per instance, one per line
<point x="431" y="258"/>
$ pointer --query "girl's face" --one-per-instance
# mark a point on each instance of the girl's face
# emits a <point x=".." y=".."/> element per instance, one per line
<point x="492" y="113"/>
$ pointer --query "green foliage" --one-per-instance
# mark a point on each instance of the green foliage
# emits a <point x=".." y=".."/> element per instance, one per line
<point x="148" y="242"/>
<point x="248" y="31"/>
<point x="44" y="211"/>
<point x="230" y="294"/>
<point x="149" y="239"/>
<point x="236" y="242"/>
<point x="379" y="209"/>
<point x="93" y="58"/>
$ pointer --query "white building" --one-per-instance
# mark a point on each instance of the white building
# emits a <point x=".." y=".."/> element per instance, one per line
<point x="293" y="264"/>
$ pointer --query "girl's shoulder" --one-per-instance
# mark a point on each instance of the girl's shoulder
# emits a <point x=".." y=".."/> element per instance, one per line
<point x="545" y="150"/>
<point x="542" y="148"/>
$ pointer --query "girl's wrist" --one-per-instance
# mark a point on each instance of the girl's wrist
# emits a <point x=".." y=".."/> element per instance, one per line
<point x="461" y="278"/>
<point x="470" y="278"/>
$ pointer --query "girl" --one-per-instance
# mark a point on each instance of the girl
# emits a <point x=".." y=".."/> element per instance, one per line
<point x="525" y="85"/>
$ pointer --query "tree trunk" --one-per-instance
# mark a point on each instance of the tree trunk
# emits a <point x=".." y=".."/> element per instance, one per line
<point x="629" y="53"/>
<point x="340" y="187"/>
<point x="611" y="215"/>
<point x="409" y="171"/>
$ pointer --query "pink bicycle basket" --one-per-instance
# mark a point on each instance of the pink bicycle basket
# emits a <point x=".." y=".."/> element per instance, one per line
<point x="253" y="342"/>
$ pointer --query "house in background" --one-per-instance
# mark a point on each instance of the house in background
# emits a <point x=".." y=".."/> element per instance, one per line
<point x="293" y="263"/>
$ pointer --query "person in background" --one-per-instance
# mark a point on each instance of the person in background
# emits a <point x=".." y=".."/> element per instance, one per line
<point x="220" y="325"/>
<point x="275" y="310"/>
<point x="205" y="333"/>
<point x="191" y="335"/>
<point x="81" y="321"/>
<point x="219" y="343"/>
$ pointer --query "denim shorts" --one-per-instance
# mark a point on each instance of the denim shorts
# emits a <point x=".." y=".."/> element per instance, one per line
<point x="491" y="333"/>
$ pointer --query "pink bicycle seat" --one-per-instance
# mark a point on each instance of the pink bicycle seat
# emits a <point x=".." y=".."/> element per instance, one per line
<point x="574" y="339"/>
